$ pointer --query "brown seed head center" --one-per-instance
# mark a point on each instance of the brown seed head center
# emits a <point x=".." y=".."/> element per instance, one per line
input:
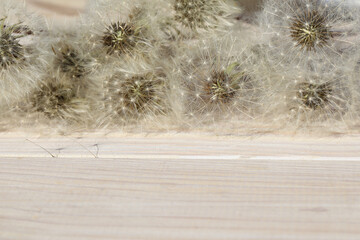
<point x="314" y="96"/>
<point x="310" y="30"/>
<point x="120" y="37"/>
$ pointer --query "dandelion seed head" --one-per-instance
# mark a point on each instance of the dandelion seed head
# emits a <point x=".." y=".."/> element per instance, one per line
<point x="314" y="96"/>
<point x="54" y="99"/>
<point x="11" y="51"/>
<point x="310" y="30"/>
<point x="223" y="86"/>
<point x="120" y="37"/>
<point x="71" y="62"/>
<point x="136" y="94"/>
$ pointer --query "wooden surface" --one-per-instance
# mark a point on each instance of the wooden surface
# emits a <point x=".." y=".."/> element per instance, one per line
<point x="179" y="188"/>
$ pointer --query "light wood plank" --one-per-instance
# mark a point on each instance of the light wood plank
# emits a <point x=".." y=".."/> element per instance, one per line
<point x="180" y="146"/>
<point x="172" y="188"/>
<point x="167" y="199"/>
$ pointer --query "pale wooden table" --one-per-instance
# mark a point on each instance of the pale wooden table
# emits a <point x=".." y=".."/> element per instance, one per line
<point x="177" y="187"/>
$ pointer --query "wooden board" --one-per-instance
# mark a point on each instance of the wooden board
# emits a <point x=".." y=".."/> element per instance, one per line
<point x="182" y="187"/>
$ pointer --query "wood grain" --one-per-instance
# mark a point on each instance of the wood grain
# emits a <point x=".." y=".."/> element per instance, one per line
<point x="172" y="188"/>
<point x="182" y="146"/>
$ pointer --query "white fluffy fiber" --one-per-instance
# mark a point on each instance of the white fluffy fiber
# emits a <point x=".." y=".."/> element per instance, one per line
<point x="185" y="65"/>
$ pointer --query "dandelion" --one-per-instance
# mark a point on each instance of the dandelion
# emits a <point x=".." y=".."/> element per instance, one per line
<point x="133" y="95"/>
<point x="193" y="13"/>
<point x="314" y="96"/>
<point x="119" y="28"/>
<point x="318" y="102"/>
<point x="187" y="18"/>
<point x="57" y="98"/>
<point x="71" y="61"/>
<point x="20" y="51"/>
<point x="135" y="92"/>
<point x="310" y="30"/>
<point x="11" y="51"/>
<point x="120" y="37"/>
<point x="217" y="82"/>
<point x="202" y="14"/>
<point x="222" y="85"/>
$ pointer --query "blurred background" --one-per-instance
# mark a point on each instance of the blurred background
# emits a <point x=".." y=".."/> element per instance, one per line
<point x="250" y="5"/>
<point x="72" y="7"/>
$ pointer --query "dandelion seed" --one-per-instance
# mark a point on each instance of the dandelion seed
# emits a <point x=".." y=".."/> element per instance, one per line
<point x="310" y="30"/>
<point x="191" y="13"/>
<point x="203" y="14"/>
<point x="71" y="62"/>
<point x="57" y="98"/>
<point x="11" y="51"/>
<point x="137" y="94"/>
<point x="121" y="37"/>
<point x="223" y="87"/>
<point x="314" y="96"/>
